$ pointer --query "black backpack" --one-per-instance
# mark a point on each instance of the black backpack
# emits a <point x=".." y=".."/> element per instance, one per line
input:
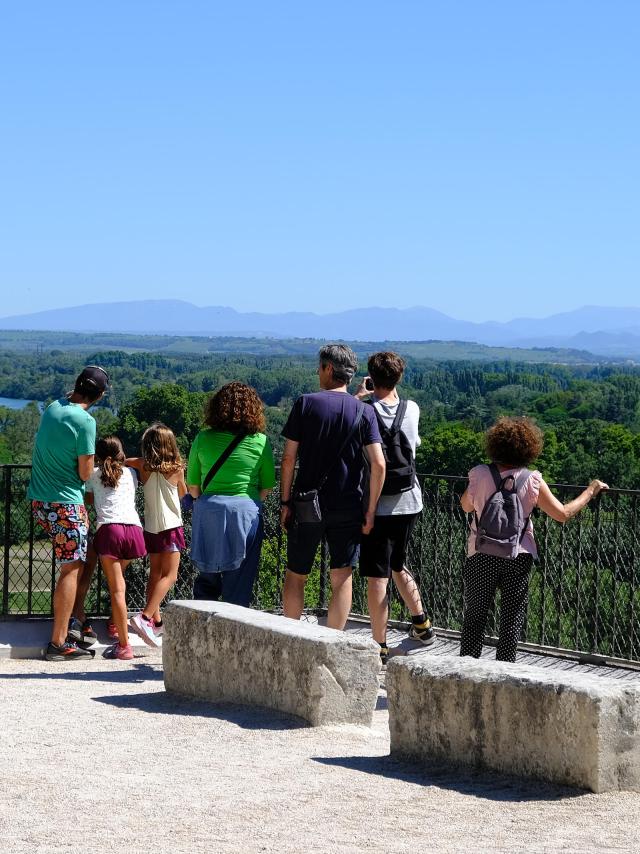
<point x="398" y="454"/>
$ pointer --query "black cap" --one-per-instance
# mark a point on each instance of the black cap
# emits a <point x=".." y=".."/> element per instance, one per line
<point x="92" y="379"/>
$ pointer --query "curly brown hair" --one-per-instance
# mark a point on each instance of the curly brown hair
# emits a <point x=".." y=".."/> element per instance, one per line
<point x="235" y="407"/>
<point x="514" y="441"/>
<point x="160" y="449"/>
<point x="110" y="460"/>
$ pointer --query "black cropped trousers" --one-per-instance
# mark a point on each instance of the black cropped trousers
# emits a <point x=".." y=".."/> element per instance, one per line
<point x="483" y="576"/>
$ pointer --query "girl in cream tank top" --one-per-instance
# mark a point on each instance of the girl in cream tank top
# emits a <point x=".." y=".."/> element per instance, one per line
<point x="161" y="471"/>
<point x="161" y="504"/>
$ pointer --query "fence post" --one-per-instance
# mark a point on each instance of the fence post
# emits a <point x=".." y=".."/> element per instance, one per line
<point x="7" y="540"/>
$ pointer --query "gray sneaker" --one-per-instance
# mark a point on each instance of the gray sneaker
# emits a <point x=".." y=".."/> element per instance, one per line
<point x="74" y="633"/>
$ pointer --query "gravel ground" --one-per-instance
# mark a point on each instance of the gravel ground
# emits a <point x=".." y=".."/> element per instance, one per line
<point x="98" y="758"/>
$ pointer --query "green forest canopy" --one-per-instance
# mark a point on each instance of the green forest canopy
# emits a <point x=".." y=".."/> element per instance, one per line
<point x="590" y="413"/>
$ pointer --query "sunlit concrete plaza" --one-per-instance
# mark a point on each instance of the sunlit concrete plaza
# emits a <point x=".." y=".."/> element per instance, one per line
<point x="98" y="757"/>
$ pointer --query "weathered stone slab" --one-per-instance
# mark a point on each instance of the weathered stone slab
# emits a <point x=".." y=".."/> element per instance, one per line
<point x="225" y="653"/>
<point x="574" y="729"/>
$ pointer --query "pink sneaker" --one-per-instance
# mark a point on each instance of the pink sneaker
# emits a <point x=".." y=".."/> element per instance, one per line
<point x="112" y="632"/>
<point x="158" y="630"/>
<point x="122" y="653"/>
<point x="144" y="628"/>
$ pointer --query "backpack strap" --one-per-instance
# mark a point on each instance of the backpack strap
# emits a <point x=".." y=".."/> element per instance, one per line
<point x="224" y="456"/>
<point x="400" y="413"/>
<point x="497" y="481"/>
<point x="397" y="421"/>
<point x="520" y="481"/>
<point x="495" y="474"/>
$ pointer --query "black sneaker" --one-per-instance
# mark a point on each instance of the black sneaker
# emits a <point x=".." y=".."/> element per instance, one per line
<point x="66" y="652"/>
<point x="89" y="637"/>
<point x="423" y="633"/>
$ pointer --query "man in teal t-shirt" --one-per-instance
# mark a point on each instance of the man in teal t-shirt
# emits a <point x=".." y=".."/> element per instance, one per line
<point x="66" y="432"/>
<point x="62" y="462"/>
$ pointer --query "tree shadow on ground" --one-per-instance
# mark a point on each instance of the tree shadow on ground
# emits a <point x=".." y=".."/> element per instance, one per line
<point x="165" y="703"/>
<point x="465" y="781"/>
<point x="135" y="673"/>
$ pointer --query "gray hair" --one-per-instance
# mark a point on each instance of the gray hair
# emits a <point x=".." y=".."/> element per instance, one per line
<point x="342" y="359"/>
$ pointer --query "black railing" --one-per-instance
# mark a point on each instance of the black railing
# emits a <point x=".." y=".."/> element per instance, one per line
<point x="584" y="591"/>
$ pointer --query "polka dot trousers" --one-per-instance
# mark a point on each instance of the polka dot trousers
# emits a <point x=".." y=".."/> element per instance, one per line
<point x="483" y="575"/>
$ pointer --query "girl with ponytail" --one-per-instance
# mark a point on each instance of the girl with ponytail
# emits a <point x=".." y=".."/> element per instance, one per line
<point x="119" y="538"/>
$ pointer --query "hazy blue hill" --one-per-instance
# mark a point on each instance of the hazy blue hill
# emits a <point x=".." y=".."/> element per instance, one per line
<point x="603" y="330"/>
<point x="589" y="318"/>
<point x="183" y="318"/>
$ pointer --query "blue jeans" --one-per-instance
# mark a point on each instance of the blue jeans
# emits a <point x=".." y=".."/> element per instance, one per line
<point x="236" y="585"/>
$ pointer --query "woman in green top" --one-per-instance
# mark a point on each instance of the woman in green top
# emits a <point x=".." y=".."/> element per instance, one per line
<point x="227" y="527"/>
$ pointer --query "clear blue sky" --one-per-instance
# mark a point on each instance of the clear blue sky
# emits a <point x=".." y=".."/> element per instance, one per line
<point x="481" y="158"/>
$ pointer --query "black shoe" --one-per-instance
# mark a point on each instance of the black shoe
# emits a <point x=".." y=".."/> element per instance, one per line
<point x="66" y="652"/>
<point x="423" y="633"/>
<point x="89" y="637"/>
<point x="74" y="632"/>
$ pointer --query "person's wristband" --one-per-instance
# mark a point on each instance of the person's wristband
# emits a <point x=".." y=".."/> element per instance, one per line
<point x="285" y="503"/>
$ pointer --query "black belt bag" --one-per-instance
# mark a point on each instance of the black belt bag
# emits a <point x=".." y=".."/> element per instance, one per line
<point x="306" y="503"/>
<point x="306" y="506"/>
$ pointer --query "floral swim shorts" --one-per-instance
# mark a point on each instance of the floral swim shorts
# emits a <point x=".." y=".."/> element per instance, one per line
<point x="68" y="527"/>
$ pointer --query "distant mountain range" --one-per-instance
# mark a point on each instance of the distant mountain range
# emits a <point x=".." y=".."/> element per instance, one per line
<point x="598" y="329"/>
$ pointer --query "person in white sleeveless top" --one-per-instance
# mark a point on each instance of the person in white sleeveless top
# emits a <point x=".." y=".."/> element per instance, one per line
<point x="161" y="471"/>
<point x="512" y="444"/>
<point x="383" y="552"/>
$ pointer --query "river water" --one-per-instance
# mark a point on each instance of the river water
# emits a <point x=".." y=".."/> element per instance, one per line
<point x="14" y="402"/>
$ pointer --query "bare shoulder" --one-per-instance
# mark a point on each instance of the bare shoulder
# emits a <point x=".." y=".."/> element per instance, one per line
<point x="176" y="477"/>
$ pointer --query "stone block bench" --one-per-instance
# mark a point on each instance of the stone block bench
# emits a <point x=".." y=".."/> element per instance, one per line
<point x="225" y="653"/>
<point x="575" y="729"/>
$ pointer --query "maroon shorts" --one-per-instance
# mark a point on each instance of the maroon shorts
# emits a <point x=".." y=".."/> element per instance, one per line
<point x="171" y="540"/>
<point x="123" y="542"/>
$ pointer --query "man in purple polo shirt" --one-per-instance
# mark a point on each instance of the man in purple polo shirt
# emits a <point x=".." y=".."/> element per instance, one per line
<point x="315" y="431"/>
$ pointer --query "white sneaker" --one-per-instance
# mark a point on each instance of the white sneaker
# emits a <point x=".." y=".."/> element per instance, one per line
<point x="144" y="628"/>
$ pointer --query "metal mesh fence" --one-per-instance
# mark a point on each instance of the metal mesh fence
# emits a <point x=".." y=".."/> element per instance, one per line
<point x="584" y="592"/>
<point x="29" y="570"/>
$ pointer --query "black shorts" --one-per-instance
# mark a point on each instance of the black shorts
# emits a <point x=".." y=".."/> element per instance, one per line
<point x="385" y="548"/>
<point x="342" y="530"/>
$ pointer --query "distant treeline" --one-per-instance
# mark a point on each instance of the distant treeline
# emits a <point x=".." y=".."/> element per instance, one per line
<point x="590" y="413"/>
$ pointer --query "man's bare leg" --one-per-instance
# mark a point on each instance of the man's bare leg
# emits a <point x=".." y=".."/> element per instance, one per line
<point x="341" y="593"/>
<point x="408" y="590"/>
<point x="293" y="595"/>
<point x="378" y="602"/>
<point x="84" y="583"/>
<point x="63" y="598"/>
<point x="421" y="628"/>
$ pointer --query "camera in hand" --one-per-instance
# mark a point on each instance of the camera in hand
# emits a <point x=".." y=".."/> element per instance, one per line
<point x="368" y="383"/>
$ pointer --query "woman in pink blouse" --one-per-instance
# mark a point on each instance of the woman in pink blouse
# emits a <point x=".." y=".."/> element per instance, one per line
<point x="512" y="444"/>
